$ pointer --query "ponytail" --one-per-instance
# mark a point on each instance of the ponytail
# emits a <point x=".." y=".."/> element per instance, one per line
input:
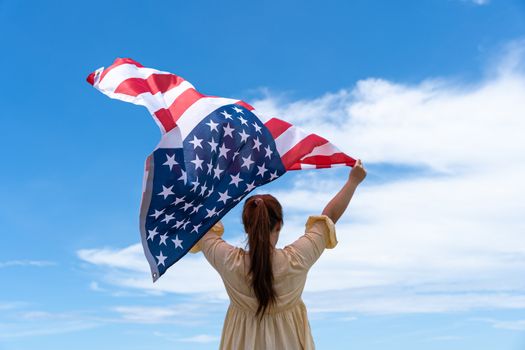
<point x="261" y="215"/>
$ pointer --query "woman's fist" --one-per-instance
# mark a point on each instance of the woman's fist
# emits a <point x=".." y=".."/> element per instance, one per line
<point x="358" y="173"/>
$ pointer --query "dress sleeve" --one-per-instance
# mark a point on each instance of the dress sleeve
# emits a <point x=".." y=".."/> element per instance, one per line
<point x="319" y="234"/>
<point x="214" y="248"/>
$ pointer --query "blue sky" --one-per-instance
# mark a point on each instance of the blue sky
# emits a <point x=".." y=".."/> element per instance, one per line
<point x="429" y="94"/>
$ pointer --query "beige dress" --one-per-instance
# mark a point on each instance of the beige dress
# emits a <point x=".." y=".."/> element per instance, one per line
<point x="286" y="325"/>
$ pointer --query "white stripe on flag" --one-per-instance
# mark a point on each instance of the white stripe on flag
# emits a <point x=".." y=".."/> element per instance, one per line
<point x="124" y="72"/>
<point x="171" y="139"/>
<point x="190" y="118"/>
<point x="152" y="102"/>
<point x="308" y="166"/>
<point x="288" y="139"/>
<point x="172" y="94"/>
<point x="313" y="166"/>
<point x="324" y="150"/>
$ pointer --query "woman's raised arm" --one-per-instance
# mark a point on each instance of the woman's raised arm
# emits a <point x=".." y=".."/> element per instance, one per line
<point x="337" y="206"/>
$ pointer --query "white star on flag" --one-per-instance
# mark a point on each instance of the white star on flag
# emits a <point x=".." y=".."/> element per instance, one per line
<point x="177" y="241"/>
<point x="170" y="161"/>
<point x="166" y="191"/>
<point x="161" y="258"/>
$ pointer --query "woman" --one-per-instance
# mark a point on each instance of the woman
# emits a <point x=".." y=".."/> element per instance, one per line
<point x="265" y="284"/>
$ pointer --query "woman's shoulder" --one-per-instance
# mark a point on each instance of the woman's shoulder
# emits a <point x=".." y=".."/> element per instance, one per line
<point x="324" y="226"/>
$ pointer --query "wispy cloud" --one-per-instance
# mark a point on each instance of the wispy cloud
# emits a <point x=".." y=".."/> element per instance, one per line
<point x="187" y="312"/>
<point x="449" y="237"/>
<point x="22" y="323"/>
<point x="200" y="338"/>
<point x="11" y="305"/>
<point x="35" y="263"/>
<point x="514" y="325"/>
<point x="131" y="270"/>
<point x="94" y="286"/>
<point x="19" y="321"/>
<point x="16" y="331"/>
<point x="480" y="2"/>
<point x="445" y="338"/>
<point x="407" y="300"/>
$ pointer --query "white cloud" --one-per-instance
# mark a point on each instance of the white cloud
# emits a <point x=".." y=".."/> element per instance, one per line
<point x="147" y="314"/>
<point x="436" y="124"/>
<point x="514" y="325"/>
<point x="11" y="305"/>
<point x="32" y="323"/>
<point x="201" y="338"/>
<point x="94" y="286"/>
<point x="477" y="2"/>
<point x="131" y="270"/>
<point x="186" y="313"/>
<point x="17" y="331"/>
<point x="399" y="300"/>
<point x="444" y="238"/>
<point x="480" y="2"/>
<point x="125" y="259"/>
<point x="445" y="338"/>
<point x="36" y="263"/>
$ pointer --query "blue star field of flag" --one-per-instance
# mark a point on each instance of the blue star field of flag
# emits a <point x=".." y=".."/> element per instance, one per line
<point x="227" y="155"/>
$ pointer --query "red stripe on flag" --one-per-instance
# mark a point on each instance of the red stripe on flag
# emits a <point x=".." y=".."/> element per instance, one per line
<point x="154" y="83"/>
<point x="168" y="117"/>
<point x="304" y="147"/>
<point x="277" y="127"/>
<point x="245" y="105"/>
<point x="91" y="78"/>
<point x="183" y="102"/>
<point x="296" y="166"/>
<point x="119" y="62"/>
<point x="325" y="161"/>
<point x="165" y="118"/>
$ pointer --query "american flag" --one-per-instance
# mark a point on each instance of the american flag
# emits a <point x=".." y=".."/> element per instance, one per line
<point x="213" y="152"/>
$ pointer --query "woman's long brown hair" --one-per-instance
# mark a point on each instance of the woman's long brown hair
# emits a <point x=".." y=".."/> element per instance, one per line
<point x="261" y="215"/>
